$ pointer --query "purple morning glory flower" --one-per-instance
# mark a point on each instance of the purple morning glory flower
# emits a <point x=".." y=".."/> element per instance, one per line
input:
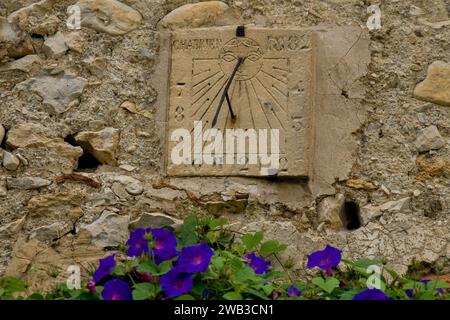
<point x="164" y="244"/>
<point x="116" y="289"/>
<point x="137" y="244"/>
<point x="410" y="293"/>
<point x="195" y="258"/>
<point x="258" y="264"/>
<point x="371" y="294"/>
<point x="104" y="268"/>
<point x="175" y="283"/>
<point x="325" y="259"/>
<point x="293" y="291"/>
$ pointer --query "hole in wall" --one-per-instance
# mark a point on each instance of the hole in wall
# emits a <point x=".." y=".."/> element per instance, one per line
<point x="87" y="160"/>
<point x="350" y="215"/>
<point x="344" y="93"/>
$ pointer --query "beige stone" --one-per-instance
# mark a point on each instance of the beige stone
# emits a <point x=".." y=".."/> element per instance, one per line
<point x="154" y="220"/>
<point x="31" y="135"/>
<point x="429" y="168"/>
<point x="329" y="211"/>
<point x="43" y="266"/>
<point x="194" y="15"/>
<point x="101" y="144"/>
<point x="15" y="42"/>
<point x="436" y="86"/>
<point x="75" y="41"/>
<point x="360" y="184"/>
<point x="54" y="205"/>
<point x="110" y="16"/>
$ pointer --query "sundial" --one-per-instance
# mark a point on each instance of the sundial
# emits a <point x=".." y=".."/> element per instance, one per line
<point x="245" y="96"/>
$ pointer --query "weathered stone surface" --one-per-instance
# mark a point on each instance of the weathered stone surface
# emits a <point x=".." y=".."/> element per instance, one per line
<point x="55" y="45"/>
<point x="154" y="220"/>
<point x="30" y="63"/>
<point x="436" y="86"/>
<point x="12" y="228"/>
<point x="339" y="111"/>
<point x="53" y="215"/>
<point x="10" y="161"/>
<point x="110" y="16"/>
<point x="13" y="42"/>
<point x="50" y="232"/>
<point x="2" y="133"/>
<point x="34" y="261"/>
<point x="360" y="184"/>
<point x="132" y="186"/>
<point x="97" y="66"/>
<point x="3" y="190"/>
<point x="194" y="15"/>
<point x="101" y="144"/>
<point x="429" y="139"/>
<point x="369" y="212"/>
<point x="59" y="92"/>
<point x="75" y="41"/>
<point x="27" y="183"/>
<point x="429" y="168"/>
<point x="31" y="135"/>
<point x="329" y="211"/>
<point x="109" y="230"/>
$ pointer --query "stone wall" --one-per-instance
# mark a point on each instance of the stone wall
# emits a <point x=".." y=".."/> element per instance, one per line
<point x="83" y="120"/>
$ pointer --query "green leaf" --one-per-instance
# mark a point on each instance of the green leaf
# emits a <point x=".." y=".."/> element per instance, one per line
<point x="251" y="241"/>
<point x="164" y="267"/>
<point x="232" y="296"/>
<point x="148" y="267"/>
<point x="188" y="236"/>
<point x="245" y="274"/>
<point x="271" y="247"/>
<point x="185" y="297"/>
<point x="143" y="290"/>
<point x="437" y="284"/>
<point x="2" y="291"/>
<point x="327" y="285"/>
<point x="118" y="271"/>
<point x="215" y="223"/>
<point x="10" y="284"/>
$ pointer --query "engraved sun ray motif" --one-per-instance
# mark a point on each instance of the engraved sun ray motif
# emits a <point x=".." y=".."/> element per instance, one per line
<point x="260" y="86"/>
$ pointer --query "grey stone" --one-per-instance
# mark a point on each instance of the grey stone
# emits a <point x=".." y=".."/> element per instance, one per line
<point x="55" y="46"/>
<point x="50" y="232"/>
<point x="10" y="161"/>
<point x="132" y="186"/>
<point x="27" y="183"/>
<point x="429" y="139"/>
<point x="27" y="64"/>
<point x="109" y="16"/>
<point x="369" y="213"/>
<point x="59" y="92"/>
<point x="154" y="220"/>
<point x="109" y="230"/>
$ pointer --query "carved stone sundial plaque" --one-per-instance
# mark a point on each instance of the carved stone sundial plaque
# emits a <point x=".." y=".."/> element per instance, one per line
<point x="269" y="74"/>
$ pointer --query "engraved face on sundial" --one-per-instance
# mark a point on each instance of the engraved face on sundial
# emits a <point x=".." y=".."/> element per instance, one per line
<point x="247" y="49"/>
<point x="258" y="85"/>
